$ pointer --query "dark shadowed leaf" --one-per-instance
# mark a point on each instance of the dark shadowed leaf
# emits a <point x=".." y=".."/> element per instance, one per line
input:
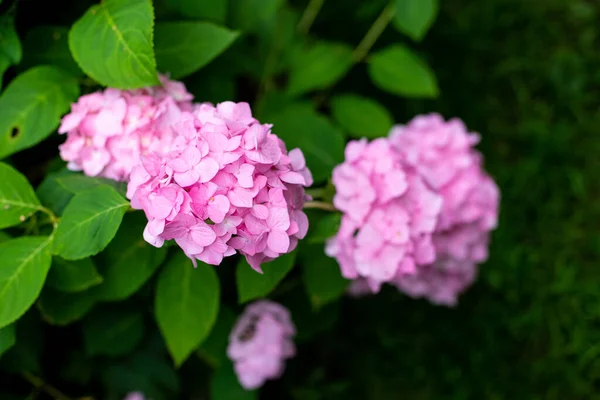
<point x="252" y="285"/>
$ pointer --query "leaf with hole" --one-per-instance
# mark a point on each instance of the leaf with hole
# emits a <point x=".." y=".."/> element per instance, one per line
<point x="17" y="198"/>
<point x="89" y="223"/>
<point x="24" y="264"/>
<point x="31" y="107"/>
<point x="184" y="47"/>
<point x="186" y="305"/>
<point x="252" y="285"/>
<point x="113" y="43"/>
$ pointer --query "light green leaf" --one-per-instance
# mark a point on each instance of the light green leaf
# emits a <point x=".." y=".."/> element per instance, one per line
<point x="186" y="305"/>
<point x="321" y="142"/>
<point x="89" y="223"/>
<point x="112" y="332"/>
<point x="214" y="348"/>
<point x="361" y="117"/>
<point x="415" y="17"/>
<point x="73" y="276"/>
<point x="10" y="46"/>
<point x="214" y="10"/>
<point x="60" y="308"/>
<point x="226" y="386"/>
<point x="397" y="70"/>
<point x="31" y="107"/>
<point x="252" y="285"/>
<point x="24" y="264"/>
<point x="319" y="67"/>
<point x="128" y="261"/>
<point x="184" y="47"/>
<point x="322" y="277"/>
<point x="112" y="43"/>
<point x="7" y="338"/>
<point x="49" y="45"/>
<point x="17" y="198"/>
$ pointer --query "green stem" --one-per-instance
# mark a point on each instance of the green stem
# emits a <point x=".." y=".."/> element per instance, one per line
<point x="40" y="384"/>
<point x="53" y="218"/>
<point x="374" y="32"/>
<point x="309" y="15"/>
<point x="321" y="205"/>
<point x="315" y="193"/>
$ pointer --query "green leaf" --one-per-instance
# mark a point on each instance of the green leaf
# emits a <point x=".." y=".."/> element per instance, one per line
<point x="73" y="276"/>
<point x="31" y="107"/>
<point x="112" y="43"/>
<point x="25" y="264"/>
<point x="128" y="261"/>
<point x="7" y="338"/>
<point x="186" y="305"/>
<point x="10" y="46"/>
<point x="49" y="45"/>
<point x="319" y="67"/>
<point x="214" y="348"/>
<point x="26" y="353"/>
<point x="322" y="277"/>
<point x="361" y="117"/>
<point x="4" y="236"/>
<point x="214" y="10"/>
<point x="321" y="142"/>
<point x="252" y="285"/>
<point x="17" y="198"/>
<point x="89" y="223"/>
<point x="397" y="70"/>
<point x="226" y="386"/>
<point x="184" y="47"/>
<point x="112" y="332"/>
<point x="58" y="188"/>
<point x="60" y="308"/>
<point x="415" y="17"/>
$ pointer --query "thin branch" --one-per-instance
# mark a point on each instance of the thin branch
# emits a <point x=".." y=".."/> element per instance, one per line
<point x="38" y="383"/>
<point x="309" y="15"/>
<point x="321" y="205"/>
<point x="374" y="32"/>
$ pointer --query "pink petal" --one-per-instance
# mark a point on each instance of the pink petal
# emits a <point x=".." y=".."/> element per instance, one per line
<point x="202" y="234"/>
<point x="207" y="169"/>
<point x="260" y="211"/>
<point x="297" y="158"/>
<point x="279" y="219"/>
<point x="187" y="178"/>
<point x="293" y="177"/>
<point x="218" y="207"/>
<point x="278" y="241"/>
<point x="254" y="225"/>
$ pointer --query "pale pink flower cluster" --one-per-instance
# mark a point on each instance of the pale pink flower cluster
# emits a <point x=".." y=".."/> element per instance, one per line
<point x="108" y="131"/>
<point x="227" y="184"/>
<point x="389" y="215"/>
<point x="134" y="396"/>
<point x="443" y="153"/>
<point x="449" y="194"/>
<point x="260" y="343"/>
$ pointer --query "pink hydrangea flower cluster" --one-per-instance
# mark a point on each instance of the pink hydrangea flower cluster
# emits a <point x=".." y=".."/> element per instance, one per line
<point x="389" y="215"/>
<point x="443" y="153"/>
<point x="260" y="342"/>
<point x="453" y="201"/>
<point x="108" y="131"/>
<point x="227" y="184"/>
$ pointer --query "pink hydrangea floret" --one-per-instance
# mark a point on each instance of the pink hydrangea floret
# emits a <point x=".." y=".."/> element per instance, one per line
<point x="389" y="215"/>
<point x="228" y="184"/>
<point x="443" y="154"/>
<point x="261" y="342"/>
<point x="108" y="131"/>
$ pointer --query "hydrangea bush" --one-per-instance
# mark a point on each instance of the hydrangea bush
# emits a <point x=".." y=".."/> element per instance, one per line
<point x="174" y="173"/>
